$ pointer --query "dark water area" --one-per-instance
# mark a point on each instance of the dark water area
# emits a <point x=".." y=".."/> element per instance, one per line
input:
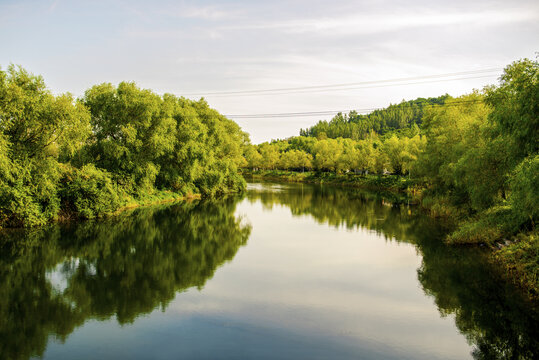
<point x="286" y="271"/>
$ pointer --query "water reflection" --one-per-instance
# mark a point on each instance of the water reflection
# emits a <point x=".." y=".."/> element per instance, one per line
<point x="55" y="279"/>
<point x="493" y="317"/>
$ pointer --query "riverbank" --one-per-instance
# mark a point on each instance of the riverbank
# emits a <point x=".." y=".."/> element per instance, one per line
<point x="516" y="255"/>
<point x="130" y="203"/>
<point x="391" y="183"/>
<point x="163" y="197"/>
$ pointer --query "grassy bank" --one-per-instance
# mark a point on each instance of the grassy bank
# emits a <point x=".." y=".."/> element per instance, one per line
<point x="520" y="262"/>
<point x="159" y="197"/>
<point x="127" y="202"/>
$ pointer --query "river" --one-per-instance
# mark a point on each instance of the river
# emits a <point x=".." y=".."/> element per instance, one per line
<point x="287" y="271"/>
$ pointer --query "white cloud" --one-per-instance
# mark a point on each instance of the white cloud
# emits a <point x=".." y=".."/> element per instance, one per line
<point x="369" y="23"/>
<point x="183" y="46"/>
<point x="210" y="12"/>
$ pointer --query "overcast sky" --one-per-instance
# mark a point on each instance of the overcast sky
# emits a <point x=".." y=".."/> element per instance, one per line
<point x="186" y="47"/>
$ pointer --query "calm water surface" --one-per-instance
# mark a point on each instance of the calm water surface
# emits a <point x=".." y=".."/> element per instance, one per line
<point x="286" y="272"/>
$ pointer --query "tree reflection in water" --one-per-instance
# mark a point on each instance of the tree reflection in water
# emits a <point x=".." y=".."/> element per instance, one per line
<point x="55" y="279"/>
<point x="490" y="313"/>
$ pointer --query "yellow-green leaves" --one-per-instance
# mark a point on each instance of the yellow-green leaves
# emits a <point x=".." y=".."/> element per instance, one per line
<point x="58" y="155"/>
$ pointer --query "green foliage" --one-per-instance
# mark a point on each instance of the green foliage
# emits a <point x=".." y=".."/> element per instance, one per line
<point x="36" y="128"/>
<point x="404" y="118"/>
<point x="253" y="159"/>
<point x="341" y="155"/>
<point x="270" y="155"/>
<point x="452" y="159"/>
<point x="296" y="160"/>
<point x="36" y="123"/>
<point x="403" y="152"/>
<point x="524" y="185"/>
<point x="28" y="193"/>
<point x="326" y="154"/>
<point x="88" y="192"/>
<point x="130" y="131"/>
<point x="515" y="105"/>
<point x="486" y="227"/>
<point x="521" y="260"/>
<point x="207" y="151"/>
<point x="61" y="157"/>
<point x="485" y="156"/>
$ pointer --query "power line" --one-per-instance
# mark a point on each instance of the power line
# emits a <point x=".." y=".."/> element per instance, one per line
<point x="362" y="87"/>
<point x="292" y="114"/>
<point x="346" y="86"/>
<point x="334" y="112"/>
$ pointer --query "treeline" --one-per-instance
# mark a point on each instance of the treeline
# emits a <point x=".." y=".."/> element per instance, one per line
<point x="373" y="155"/>
<point x="476" y="154"/>
<point x="397" y="118"/>
<point x="62" y="157"/>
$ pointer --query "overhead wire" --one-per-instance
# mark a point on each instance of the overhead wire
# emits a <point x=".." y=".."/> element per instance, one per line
<point x="334" y="112"/>
<point x="350" y="86"/>
<point x="360" y="87"/>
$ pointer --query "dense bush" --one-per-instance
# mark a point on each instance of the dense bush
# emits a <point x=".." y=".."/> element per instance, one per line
<point x="28" y="193"/>
<point x="521" y="260"/>
<point x="88" y="192"/>
<point x="525" y="190"/>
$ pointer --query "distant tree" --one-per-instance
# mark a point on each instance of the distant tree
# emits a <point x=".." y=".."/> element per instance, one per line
<point x="253" y="157"/>
<point x="270" y="155"/>
<point x="326" y="152"/>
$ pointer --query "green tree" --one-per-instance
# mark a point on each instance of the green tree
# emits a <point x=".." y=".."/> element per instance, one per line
<point x="515" y="106"/>
<point x="525" y="191"/>
<point x="326" y="152"/>
<point x="252" y="157"/>
<point x="36" y="129"/>
<point x="270" y="155"/>
<point x="131" y="131"/>
<point x="457" y="158"/>
<point x="349" y="158"/>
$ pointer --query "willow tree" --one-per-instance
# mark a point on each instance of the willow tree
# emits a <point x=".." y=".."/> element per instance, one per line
<point x="37" y="129"/>
<point x="149" y="141"/>
<point x="207" y="152"/>
<point x="131" y="128"/>
<point x="515" y="118"/>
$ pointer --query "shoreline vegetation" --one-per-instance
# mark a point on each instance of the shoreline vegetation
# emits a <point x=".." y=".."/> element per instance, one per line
<point x="474" y="158"/>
